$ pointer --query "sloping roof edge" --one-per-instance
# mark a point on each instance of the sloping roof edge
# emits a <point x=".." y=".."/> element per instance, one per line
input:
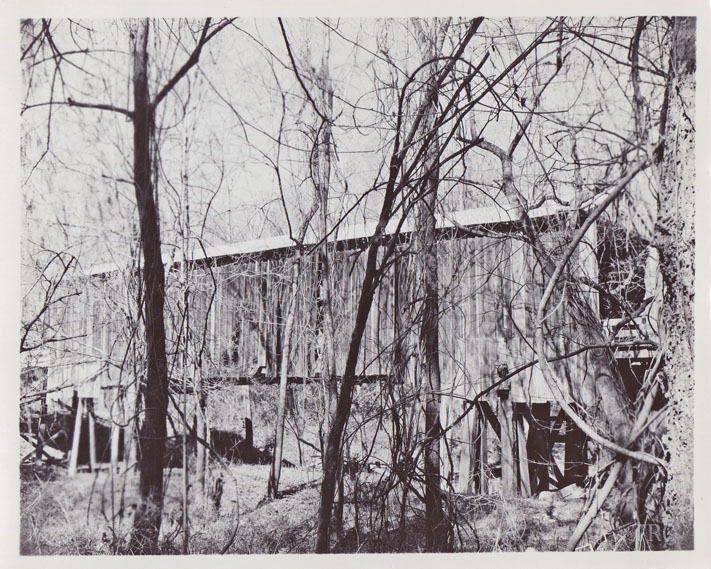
<point x="489" y="215"/>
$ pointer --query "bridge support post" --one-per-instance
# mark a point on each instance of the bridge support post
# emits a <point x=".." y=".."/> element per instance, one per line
<point x="74" y="453"/>
<point x="508" y="479"/>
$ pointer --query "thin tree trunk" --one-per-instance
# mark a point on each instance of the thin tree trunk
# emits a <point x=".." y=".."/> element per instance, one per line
<point x="186" y="437"/>
<point x="436" y="525"/>
<point x="186" y="345"/>
<point x="437" y="530"/>
<point x="322" y="180"/>
<point x="675" y="240"/>
<point x="328" y="322"/>
<point x="201" y="456"/>
<point x="273" y="484"/>
<point x="147" y="521"/>
<point x="200" y="432"/>
<point x="332" y="462"/>
<point x="343" y="405"/>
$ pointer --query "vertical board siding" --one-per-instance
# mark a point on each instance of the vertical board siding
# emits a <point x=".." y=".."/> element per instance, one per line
<point x="487" y="305"/>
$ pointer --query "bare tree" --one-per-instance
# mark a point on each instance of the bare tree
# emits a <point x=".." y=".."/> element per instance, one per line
<point x="155" y="400"/>
<point x="437" y="527"/>
<point x="675" y="239"/>
<point x="393" y="188"/>
<point x="153" y="431"/>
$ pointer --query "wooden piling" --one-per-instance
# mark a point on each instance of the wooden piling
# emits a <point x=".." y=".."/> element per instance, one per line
<point x="130" y="446"/>
<point x="524" y="482"/>
<point x="508" y="478"/>
<point x="575" y="459"/>
<point x="483" y="457"/>
<point x="74" y="456"/>
<point x="248" y="432"/>
<point x="41" y="438"/>
<point x="89" y="403"/>
<point x="468" y="455"/>
<point x="115" y="438"/>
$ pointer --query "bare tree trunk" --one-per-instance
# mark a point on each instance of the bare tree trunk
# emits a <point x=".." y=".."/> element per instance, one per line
<point x="186" y="432"/>
<point x="321" y="172"/>
<point x="185" y="277"/>
<point x="153" y="431"/>
<point x="326" y="292"/>
<point x="436" y="525"/>
<point x="153" y="393"/>
<point x="200" y="432"/>
<point x="437" y="530"/>
<point x="273" y="485"/>
<point x="675" y="240"/>
<point x="332" y="457"/>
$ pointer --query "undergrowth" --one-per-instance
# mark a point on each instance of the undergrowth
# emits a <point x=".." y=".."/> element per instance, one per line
<point x="91" y="514"/>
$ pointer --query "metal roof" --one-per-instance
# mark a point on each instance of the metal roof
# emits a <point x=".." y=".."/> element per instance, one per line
<point x="481" y="216"/>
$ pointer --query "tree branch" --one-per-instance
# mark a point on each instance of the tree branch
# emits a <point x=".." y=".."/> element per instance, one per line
<point x="554" y="383"/>
<point x="639" y="424"/>
<point x="72" y="103"/>
<point x="192" y="59"/>
<point x="298" y="75"/>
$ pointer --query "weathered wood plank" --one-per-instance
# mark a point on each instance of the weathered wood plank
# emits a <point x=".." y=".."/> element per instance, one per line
<point x="483" y="458"/>
<point x="115" y="440"/>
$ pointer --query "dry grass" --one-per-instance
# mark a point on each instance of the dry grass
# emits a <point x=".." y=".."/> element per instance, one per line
<point x="91" y="514"/>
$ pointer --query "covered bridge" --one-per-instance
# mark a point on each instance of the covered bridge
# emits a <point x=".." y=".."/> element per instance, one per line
<point x="230" y="338"/>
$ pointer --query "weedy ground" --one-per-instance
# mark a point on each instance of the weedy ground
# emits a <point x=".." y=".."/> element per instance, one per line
<point x="91" y="514"/>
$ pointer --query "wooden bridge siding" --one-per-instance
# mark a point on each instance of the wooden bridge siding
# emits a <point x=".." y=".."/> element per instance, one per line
<point x="383" y="325"/>
<point x="343" y="304"/>
<point x="73" y="321"/>
<point x="500" y="272"/>
<point x="477" y="278"/>
<point x="339" y="284"/>
<point x="585" y="259"/>
<point x="90" y="321"/>
<point x="475" y="331"/>
<point x="463" y="353"/>
<point x="471" y="333"/>
<point x="248" y="304"/>
<point x="236" y="345"/>
<point x="454" y="266"/>
<point x="470" y="429"/>
<point x="217" y="322"/>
